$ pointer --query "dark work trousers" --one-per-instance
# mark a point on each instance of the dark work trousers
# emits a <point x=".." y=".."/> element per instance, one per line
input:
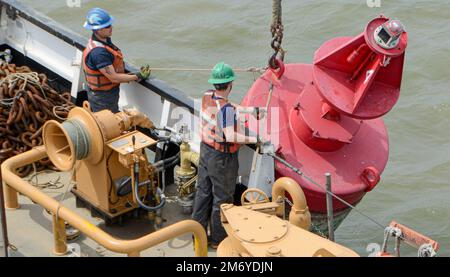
<point x="104" y="100"/>
<point x="217" y="173"/>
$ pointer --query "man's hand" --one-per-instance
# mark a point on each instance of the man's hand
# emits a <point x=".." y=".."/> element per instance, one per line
<point x="264" y="145"/>
<point x="144" y="73"/>
<point x="261" y="140"/>
<point x="259" y="112"/>
<point x="115" y="77"/>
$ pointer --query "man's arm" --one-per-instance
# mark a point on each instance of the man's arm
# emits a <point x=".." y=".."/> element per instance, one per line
<point x="115" y="77"/>
<point x="258" y="112"/>
<point x="227" y="117"/>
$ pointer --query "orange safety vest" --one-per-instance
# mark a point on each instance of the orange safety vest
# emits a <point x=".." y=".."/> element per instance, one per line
<point x="95" y="79"/>
<point x="210" y="109"/>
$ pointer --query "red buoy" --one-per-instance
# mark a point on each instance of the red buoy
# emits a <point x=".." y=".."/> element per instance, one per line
<point x="328" y="113"/>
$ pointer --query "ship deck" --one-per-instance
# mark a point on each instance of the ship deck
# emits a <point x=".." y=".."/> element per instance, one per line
<point x="30" y="226"/>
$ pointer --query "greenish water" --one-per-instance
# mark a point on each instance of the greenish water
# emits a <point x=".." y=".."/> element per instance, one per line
<point x="415" y="187"/>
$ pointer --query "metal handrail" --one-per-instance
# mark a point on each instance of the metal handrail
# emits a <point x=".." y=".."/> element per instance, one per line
<point x="15" y="184"/>
<point x="3" y="220"/>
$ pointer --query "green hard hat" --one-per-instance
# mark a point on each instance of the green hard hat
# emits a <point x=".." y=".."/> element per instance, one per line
<point x="222" y="73"/>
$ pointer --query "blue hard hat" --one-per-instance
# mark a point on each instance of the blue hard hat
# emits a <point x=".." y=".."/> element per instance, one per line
<point x="98" y="18"/>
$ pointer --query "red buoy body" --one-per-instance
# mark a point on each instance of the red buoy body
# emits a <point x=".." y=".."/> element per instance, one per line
<point x="328" y="113"/>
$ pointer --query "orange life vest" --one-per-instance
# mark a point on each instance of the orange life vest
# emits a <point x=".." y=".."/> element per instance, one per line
<point x="95" y="79"/>
<point x="210" y="132"/>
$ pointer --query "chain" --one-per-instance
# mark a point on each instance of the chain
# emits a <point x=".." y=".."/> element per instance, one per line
<point x="289" y="202"/>
<point x="276" y="28"/>
<point x="27" y="77"/>
<point x="317" y="231"/>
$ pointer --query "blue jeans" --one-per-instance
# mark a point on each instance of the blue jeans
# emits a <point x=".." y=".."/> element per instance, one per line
<point x="104" y="100"/>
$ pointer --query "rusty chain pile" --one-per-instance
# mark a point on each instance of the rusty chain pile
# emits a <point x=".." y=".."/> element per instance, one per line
<point x="276" y="28"/>
<point x="26" y="103"/>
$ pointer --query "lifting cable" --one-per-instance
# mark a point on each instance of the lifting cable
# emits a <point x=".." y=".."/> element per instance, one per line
<point x="244" y="70"/>
<point x="296" y="170"/>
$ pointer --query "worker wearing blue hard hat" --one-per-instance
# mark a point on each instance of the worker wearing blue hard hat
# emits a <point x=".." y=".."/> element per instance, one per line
<point x="103" y="63"/>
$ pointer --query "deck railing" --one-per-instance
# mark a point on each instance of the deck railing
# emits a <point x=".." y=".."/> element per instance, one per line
<point x="14" y="184"/>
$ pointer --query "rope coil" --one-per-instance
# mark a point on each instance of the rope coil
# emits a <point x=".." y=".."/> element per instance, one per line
<point x="27" y="77"/>
<point x="79" y="136"/>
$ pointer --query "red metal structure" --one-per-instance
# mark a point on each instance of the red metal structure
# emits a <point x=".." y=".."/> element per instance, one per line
<point x="426" y="246"/>
<point x="329" y="112"/>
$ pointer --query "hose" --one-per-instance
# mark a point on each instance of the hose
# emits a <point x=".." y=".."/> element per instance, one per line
<point x="136" y="192"/>
<point x="164" y="150"/>
<point x="163" y="181"/>
<point x="166" y="166"/>
<point x="167" y="163"/>
<point x="124" y="187"/>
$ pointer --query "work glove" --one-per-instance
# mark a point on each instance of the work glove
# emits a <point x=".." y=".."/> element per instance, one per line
<point x="262" y="141"/>
<point x="264" y="145"/>
<point x="144" y="73"/>
<point x="259" y="112"/>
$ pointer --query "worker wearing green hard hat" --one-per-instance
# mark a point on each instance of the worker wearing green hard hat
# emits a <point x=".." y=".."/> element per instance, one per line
<point x="222" y="73"/>
<point x="218" y="167"/>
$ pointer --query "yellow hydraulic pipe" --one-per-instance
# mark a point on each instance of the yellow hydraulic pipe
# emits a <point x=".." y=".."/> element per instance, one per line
<point x="188" y="157"/>
<point x="134" y="254"/>
<point x="299" y="214"/>
<point x="131" y="247"/>
<point x="194" y="157"/>
<point x="59" y="234"/>
<point x="11" y="198"/>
